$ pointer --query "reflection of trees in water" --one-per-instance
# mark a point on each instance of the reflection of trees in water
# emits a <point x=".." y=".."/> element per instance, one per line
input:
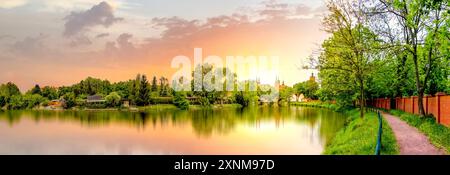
<point x="204" y="122"/>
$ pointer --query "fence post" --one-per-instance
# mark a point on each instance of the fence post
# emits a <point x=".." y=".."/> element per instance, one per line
<point x="438" y="103"/>
<point x="426" y="104"/>
<point x="412" y="102"/>
<point x="380" y="132"/>
<point x="403" y="108"/>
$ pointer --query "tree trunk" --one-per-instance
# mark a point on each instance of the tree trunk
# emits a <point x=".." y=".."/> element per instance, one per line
<point x="418" y="87"/>
<point x="361" y="100"/>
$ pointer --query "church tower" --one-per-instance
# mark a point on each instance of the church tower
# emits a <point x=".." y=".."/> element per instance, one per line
<point x="312" y="77"/>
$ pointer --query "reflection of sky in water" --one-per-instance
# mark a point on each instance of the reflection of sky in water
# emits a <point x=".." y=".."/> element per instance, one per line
<point x="258" y="131"/>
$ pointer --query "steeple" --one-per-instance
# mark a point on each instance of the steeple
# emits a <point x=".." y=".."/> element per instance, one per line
<point x="312" y="78"/>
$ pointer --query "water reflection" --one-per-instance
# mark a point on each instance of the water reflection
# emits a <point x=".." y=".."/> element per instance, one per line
<point x="260" y="130"/>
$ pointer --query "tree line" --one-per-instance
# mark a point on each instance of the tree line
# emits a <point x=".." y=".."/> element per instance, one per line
<point x="384" y="48"/>
<point x="138" y="91"/>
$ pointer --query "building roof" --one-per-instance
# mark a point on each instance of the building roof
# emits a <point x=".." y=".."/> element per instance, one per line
<point x="95" y="98"/>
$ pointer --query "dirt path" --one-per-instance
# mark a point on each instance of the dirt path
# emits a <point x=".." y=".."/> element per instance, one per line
<point x="409" y="139"/>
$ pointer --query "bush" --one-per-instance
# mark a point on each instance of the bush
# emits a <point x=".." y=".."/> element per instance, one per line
<point x="241" y="99"/>
<point x="2" y="101"/>
<point x="16" y="102"/>
<point x="113" y="99"/>
<point x="180" y="100"/>
<point x="70" y="100"/>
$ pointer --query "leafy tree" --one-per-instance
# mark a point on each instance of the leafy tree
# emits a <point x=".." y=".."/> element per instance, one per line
<point x="49" y="93"/>
<point x="2" y="101"/>
<point x="286" y="94"/>
<point x="308" y="89"/>
<point x="423" y="28"/>
<point x="36" y="90"/>
<point x="164" y="86"/>
<point x="154" y="84"/>
<point x="350" y="49"/>
<point x="8" y="90"/>
<point x="16" y="102"/>
<point x="144" y="92"/>
<point x="70" y="100"/>
<point x="113" y="99"/>
<point x="180" y="100"/>
<point x="32" y="100"/>
<point x="241" y="99"/>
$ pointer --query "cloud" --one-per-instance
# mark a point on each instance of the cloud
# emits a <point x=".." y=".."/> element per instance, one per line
<point x="6" y="37"/>
<point x="31" y="46"/>
<point x="7" y="4"/>
<point x="121" y="47"/>
<point x="99" y="15"/>
<point x="79" y="41"/>
<point x="102" y="35"/>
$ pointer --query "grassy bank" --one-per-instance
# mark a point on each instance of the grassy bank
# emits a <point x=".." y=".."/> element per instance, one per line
<point x="438" y="134"/>
<point x="359" y="136"/>
<point x="192" y="107"/>
<point x="315" y="104"/>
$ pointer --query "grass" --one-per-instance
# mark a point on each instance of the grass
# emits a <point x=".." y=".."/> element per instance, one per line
<point x="438" y="134"/>
<point x="159" y="107"/>
<point x="316" y="104"/>
<point x="359" y="136"/>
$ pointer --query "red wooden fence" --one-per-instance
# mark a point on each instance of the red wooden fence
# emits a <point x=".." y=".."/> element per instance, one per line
<point x="438" y="106"/>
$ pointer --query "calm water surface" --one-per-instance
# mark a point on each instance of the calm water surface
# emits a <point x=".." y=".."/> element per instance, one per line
<point x="263" y="130"/>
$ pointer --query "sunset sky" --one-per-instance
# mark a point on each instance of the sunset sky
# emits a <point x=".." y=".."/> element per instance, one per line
<point x="53" y="42"/>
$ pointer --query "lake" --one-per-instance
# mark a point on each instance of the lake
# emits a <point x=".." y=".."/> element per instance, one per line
<point x="247" y="131"/>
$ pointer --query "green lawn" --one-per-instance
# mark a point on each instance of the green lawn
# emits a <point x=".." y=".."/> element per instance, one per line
<point x="438" y="134"/>
<point x="359" y="137"/>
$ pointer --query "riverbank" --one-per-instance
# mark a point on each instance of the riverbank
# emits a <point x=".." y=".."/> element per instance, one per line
<point x="359" y="135"/>
<point x="439" y="135"/>
<point x="192" y="107"/>
<point x="316" y="105"/>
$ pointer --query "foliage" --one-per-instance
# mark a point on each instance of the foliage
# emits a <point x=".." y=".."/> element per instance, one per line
<point x="241" y="99"/>
<point x="2" y="101"/>
<point x="286" y="94"/>
<point x="49" y="92"/>
<point x="180" y="100"/>
<point x="154" y="84"/>
<point x="113" y="99"/>
<point x="36" y="90"/>
<point x="309" y="89"/>
<point x="8" y="90"/>
<point x="70" y="100"/>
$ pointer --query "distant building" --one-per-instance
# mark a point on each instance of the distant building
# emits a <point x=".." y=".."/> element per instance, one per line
<point x="57" y="103"/>
<point x="95" y="99"/>
<point x="312" y="77"/>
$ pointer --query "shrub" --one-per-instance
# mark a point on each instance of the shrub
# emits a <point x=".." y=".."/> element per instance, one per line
<point x="113" y="99"/>
<point x="180" y="100"/>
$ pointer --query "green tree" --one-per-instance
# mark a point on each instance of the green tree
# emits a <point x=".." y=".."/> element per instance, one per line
<point x="32" y="100"/>
<point x="309" y="89"/>
<point x="144" y="92"/>
<point x="350" y="49"/>
<point x="16" y="102"/>
<point x="423" y="25"/>
<point x="50" y="93"/>
<point x="113" y="99"/>
<point x="8" y="90"/>
<point x="154" y="84"/>
<point x="2" y="101"/>
<point x="180" y="100"/>
<point x="36" y="90"/>
<point x="70" y="100"/>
